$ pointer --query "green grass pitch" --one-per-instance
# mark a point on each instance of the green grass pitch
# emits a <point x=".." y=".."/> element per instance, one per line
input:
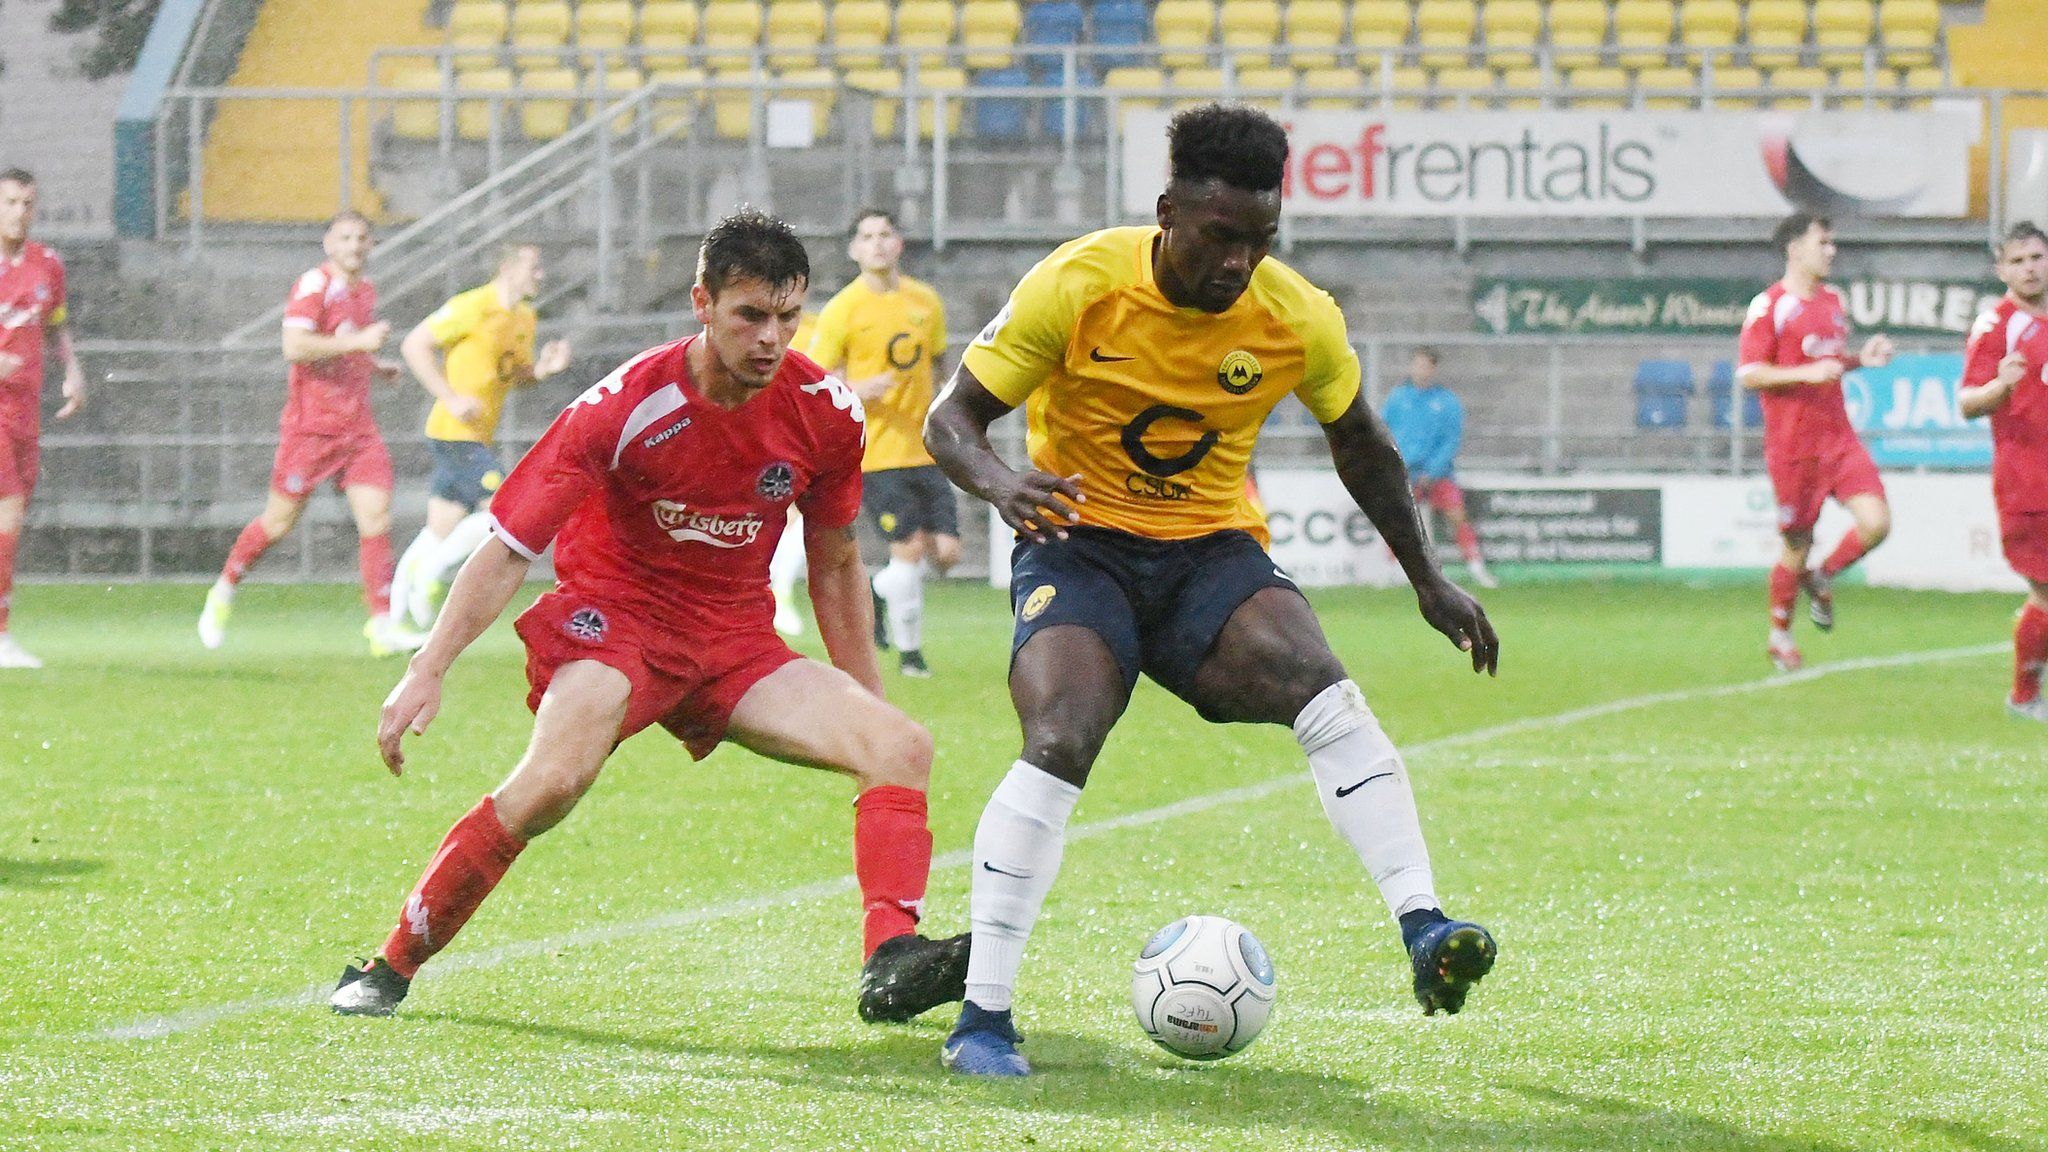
<point x="1735" y="913"/>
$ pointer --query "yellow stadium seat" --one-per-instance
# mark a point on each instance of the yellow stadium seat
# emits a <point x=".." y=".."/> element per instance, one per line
<point x="1401" y="87"/>
<point x="1266" y="88"/>
<point x="604" y="24"/>
<point x="542" y="26"/>
<point x="544" y="119"/>
<point x="732" y="111"/>
<point x="882" y="85"/>
<point x="1443" y="28"/>
<point x="473" y="117"/>
<point x="477" y="28"/>
<point x="1578" y="23"/>
<point x="820" y="86"/>
<point x="1725" y="77"/>
<point x="988" y="30"/>
<point x="1709" y="23"/>
<point x="1125" y="79"/>
<point x="1464" y="87"/>
<point x="668" y="25"/>
<point x="1841" y="29"/>
<point x="731" y="26"/>
<point x="1314" y="24"/>
<point x="1513" y="28"/>
<point x="794" y="29"/>
<point x="1778" y="24"/>
<point x="1651" y="79"/>
<point x="947" y="80"/>
<point x="1379" y="25"/>
<point x="608" y="86"/>
<point x="1334" y="88"/>
<point x="925" y="24"/>
<point x="418" y="119"/>
<point x="1526" y="81"/>
<point x="1248" y="24"/>
<point x="1909" y="29"/>
<point x="1607" y="87"/>
<point x="860" y="24"/>
<point x="676" y="111"/>
<point x="1184" y="24"/>
<point x="1926" y="78"/>
<point x="1643" y="25"/>
<point x="1794" y="87"/>
<point x="1196" y="85"/>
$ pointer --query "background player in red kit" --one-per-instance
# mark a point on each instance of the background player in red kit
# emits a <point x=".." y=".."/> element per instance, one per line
<point x="2005" y="376"/>
<point x="664" y="489"/>
<point x="1794" y="350"/>
<point x="32" y="309"/>
<point x="331" y="337"/>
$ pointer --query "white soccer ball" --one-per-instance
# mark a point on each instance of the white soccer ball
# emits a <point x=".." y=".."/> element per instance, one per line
<point x="1203" y="987"/>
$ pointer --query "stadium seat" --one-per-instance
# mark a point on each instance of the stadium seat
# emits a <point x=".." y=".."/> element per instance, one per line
<point x="542" y="119"/>
<point x="925" y="24"/>
<point x="608" y="86"/>
<point x="732" y="111"/>
<point x="1722" y="390"/>
<point x="794" y="30"/>
<point x="478" y="27"/>
<point x="1464" y="87"/>
<point x="1841" y="30"/>
<point x="1926" y="78"/>
<point x="1528" y="82"/>
<point x="1443" y="29"/>
<point x="1795" y="87"/>
<point x="473" y="117"/>
<point x="543" y="26"/>
<point x="948" y="80"/>
<point x="1195" y="85"/>
<point x="1683" y="79"/>
<point x="676" y="113"/>
<point x="1267" y="87"/>
<point x="1184" y="24"/>
<point x="1401" y="88"/>
<point x="668" y="25"/>
<point x="1119" y="80"/>
<point x="1776" y="24"/>
<point x="1709" y="24"/>
<point x="1609" y="84"/>
<point x="1339" y="88"/>
<point x="1311" y="24"/>
<point x="859" y="24"/>
<point x="882" y="85"/>
<point x="1645" y="27"/>
<point x="1378" y="26"/>
<point x="1052" y="24"/>
<point x="1513" y="29"/>
<point x="730" y="26"/>
<point x="988" y="30"/>
<point x="1664" y="391"/>
<point x="1248" y="25"/>
<point x="1909" y="30"/>
<point x="996" y="118"/>
<point x="820" y="86"/>
<point x="417" y="119"/>
<point x="1860" y="84"/>
<point x="1736" y="78"/>
<point x="604" y="25"/>
<point x="1578" y="24"/>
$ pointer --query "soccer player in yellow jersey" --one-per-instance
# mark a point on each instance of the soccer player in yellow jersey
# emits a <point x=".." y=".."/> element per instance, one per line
<point x="486" y="337"/>
<point x="885" y="334"/>
<point x="1147" y="358"/>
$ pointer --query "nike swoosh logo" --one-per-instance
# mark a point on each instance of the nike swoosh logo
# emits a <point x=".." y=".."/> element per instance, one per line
<point x="986" y="866"/>
<point x="1343" y="792"/>
<point x="1097" y="356"/>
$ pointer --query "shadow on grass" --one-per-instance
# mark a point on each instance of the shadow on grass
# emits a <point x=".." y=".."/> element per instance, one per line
<point x="1084" y="1076"/>
<point x="43" y="873"/>
<point x="1967" y="1136"/>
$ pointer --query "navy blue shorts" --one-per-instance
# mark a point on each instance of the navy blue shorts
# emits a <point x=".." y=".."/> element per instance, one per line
<point x="1158" y="604"/>
<point x="465" y="472"/>
<point x="906" y="501"/>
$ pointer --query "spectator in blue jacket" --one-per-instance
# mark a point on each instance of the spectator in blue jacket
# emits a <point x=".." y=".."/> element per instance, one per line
<point x="1428" y="424"/>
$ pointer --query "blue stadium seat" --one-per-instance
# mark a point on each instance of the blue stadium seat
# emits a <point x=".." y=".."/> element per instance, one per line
<point x="1664" y="390"/>
<point x="1118" y="23"/>
<point x="1051" y="24"/>
<point x="1000" y="119"/>
<point x="1721" y="388"/>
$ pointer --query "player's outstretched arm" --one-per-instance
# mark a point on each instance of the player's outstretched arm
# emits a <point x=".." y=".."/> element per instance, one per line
<point x="302" y="345"/>
<point x="1037" y="504"/>
<point x="1372" y="472"/>
<point x="842" y="603"/>
<point x="422" y="354"/>
<point x="486" y="584"/>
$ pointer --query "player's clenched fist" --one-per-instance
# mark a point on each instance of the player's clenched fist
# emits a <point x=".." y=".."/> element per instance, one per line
<point x="1040" y="505"/>
<point x="410" y="707"/>
<point x="2012" y="368"/>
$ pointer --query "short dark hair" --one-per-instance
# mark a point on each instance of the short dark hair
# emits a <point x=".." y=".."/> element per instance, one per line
<point x="1429" y="353"/>
<point x="749" y="244"/>
<point x="20" y="176"/>
<point x="1796" y="225"/>
<point x="347" y="215"/>
<point x="1233" y="143"/>
<point x="866" y="214"/>
<point x="2020" y="232"/>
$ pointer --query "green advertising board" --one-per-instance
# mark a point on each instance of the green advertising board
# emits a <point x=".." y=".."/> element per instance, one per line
<point x="1674" y="306"/>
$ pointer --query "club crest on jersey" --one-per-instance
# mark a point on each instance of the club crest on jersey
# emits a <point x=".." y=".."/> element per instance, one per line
<point x="686" y="526"/>
<point x="1240" y="372"/>
<point x="777" y="481"/>
<point x="586" y="624"/>
<point x="1036" y="603"/>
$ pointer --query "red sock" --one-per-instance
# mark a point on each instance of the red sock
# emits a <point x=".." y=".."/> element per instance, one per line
<point x="1784" y="595"/>
<point x="375" y="557"/>
<point x="1849" y="551"/>
<point x="1468" y="542"/>
<point x="2029" y="652"/>
<point x="249" y="547"/>
<point x="471" y="860"/>
<point x="8" y="543"/>
<point x="892" y="856"/>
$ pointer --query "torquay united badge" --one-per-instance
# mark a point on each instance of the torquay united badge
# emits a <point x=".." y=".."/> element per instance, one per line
<point x="777" y="482"/>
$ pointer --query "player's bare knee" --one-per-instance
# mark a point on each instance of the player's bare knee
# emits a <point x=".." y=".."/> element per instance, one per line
<point x="12" y="512"/>
<point x="1066" y="752"/>
<point x="372" y="524"/>
<point x="900" y="754"/>
<point x="1875" y="528"/>
<point x="945" y="552"/>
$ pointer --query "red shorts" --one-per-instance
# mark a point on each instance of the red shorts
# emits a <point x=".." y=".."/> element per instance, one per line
<point x="305" y="461"/>
<point x="2025" y="537"/>
<point x="689" y="692"/>
<point x="1443" y="495"/>
<point x="21" y="457"/>
<point x="1804" y="483"/>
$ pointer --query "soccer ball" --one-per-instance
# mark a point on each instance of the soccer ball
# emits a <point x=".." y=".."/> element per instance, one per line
<point x="1203" y="987"/>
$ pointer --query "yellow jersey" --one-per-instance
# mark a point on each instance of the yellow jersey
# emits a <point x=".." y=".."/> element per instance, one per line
<point x="863" y="333"/>
<point x="489" y="350"/>
<point x="1156" y="406"/>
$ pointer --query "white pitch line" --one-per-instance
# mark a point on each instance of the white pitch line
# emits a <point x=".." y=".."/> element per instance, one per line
<point x="153" y="1027"/>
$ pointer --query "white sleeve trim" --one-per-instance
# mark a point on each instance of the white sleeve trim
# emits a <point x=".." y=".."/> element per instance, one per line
<point x="300" y="322"/>
<point x="511" y="541"/>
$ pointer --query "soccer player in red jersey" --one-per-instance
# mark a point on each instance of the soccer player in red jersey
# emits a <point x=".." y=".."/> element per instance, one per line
<point x="331" y="337"/>
<point x="1795" y="348"/>
<point x="32" y="309"/>
<point x="2005" y="376"/>
<point x="664" y="489"/>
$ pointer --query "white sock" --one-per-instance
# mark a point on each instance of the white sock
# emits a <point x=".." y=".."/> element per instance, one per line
<point x="901" y="587"/>
<point x="1017" y="850"/>
<point x="455" y="547"/>
<point x="1364" y="788"/>
<point x="415" y="554"/>
<point x="1781" y="638"/>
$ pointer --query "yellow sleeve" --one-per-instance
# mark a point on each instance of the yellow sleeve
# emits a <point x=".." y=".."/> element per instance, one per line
<point x="937" y="335"/>
<point x="1330" y="376"/>
<point x="828" y="339"/>
<point x="1027" y="341"/>
<point x="458" y="317"/>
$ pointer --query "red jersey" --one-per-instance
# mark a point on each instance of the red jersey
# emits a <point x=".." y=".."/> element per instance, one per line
<point x="330" y="397"/>
<point x="2019" y="428"/>
<point x="669" y="506"/>
<point x="31" y="301"/>
<point x="1784" y="331"/>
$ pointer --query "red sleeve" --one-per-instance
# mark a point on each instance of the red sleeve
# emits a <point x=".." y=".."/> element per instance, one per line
<point x="569" y="464"/>
<point x="1983" y="351"/>
<point x="1759" y="332"/>
<point x="308" y="301"/>
<point x="834" y="497"/>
